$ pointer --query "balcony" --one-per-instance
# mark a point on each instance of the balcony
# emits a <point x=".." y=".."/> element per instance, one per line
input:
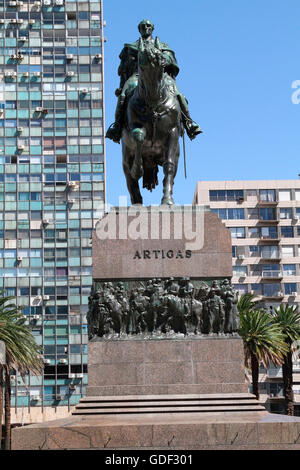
<point x="274" y="296"/>
<point x="269" y="239"/>
<point x="267" y="202"/>
<point x="262" y="220"/>
<point x="271" y="274"/>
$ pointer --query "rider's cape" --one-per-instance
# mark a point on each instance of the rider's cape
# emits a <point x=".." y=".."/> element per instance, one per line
<point x="128" y="57"/>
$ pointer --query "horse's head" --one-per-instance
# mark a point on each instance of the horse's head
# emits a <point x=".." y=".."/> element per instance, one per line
<point x="150" y="56"/>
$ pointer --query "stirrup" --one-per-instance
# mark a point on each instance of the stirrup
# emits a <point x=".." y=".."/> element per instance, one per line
<point x="113" y="133"/>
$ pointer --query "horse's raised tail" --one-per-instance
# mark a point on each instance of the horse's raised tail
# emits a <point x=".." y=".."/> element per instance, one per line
<point x="150" y="179"/>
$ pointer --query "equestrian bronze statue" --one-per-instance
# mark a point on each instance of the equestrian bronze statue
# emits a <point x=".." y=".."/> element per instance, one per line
<point x="151" y="114"/>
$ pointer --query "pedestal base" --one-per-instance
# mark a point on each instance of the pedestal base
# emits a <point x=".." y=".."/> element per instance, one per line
<point x="159" y="366"/>
<point x="167" y="431"/>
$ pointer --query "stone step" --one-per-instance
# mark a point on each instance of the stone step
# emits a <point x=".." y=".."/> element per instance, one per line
<point x="135" y="404"/>
<point x="167" y="404"/>
<point x="169" y="409"/>
<point x="185" y="397"/>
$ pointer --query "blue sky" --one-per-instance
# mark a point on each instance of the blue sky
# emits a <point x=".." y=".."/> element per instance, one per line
<point x="238" y="60"/>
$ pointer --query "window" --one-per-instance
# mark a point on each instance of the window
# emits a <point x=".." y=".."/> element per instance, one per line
<point x="286" y="213"/>
<point x="270" y="270"/>
<point x="269" y="252"/>
<point x="267" y="213"/>
<point x="284" y="195"/>
<point x="271" y="290"/>
<point x="253" y="232"/>
<point x="267" y="195"/>
<point x="241" y="288"/>
<point x="289" y="270"/>
<point x="287" y="232"/>
<point x="269" y="232"/>
<point x="254" y="250"/>
<point x="239" y="271"/>
<point x="222" y="195"/>
<point x="287" y="251"/>
<point x="256" y="289"/>
<point x="290" y="288"/>
<point x="238" y="232"/>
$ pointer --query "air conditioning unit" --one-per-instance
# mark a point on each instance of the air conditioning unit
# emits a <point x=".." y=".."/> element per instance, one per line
<point x="37" y="4"/>
<point x="13" y="57"/>
<point x="59" y="2"/>
<point x="36" y="317"/>
<point x="47" y="361"/>
<point x="13" y="21"/>
<point x="2" y="21"/>
<point x="47" y="2"/>
<point x="294" y="294"/>
<point x="242" y="275"/>
<point x="38" y="109"/>
<point x="69" y="56"/>
<point x="241" y="256"/>
<point x="72" y="387"/>
<point x="36" y="74"/>
<point x="98" y="56"/>
<point x="31" y="21"/>
<point x="38" y="297"/>
<point x="71" y="201"/>
<point x="46" y="297"/>
<point x="35" y="397"/>
<point x="20" y="57"/>
<point x="84" y="91"/>
<point x="20" y="129"/>
<point x="72" y="376"/>
<point x="12" y="4"/>
<point x="46" y="221"/>
<point x="70" y="74"/>
<point x="21" y="147"/>
<point x="20" y="21"/>
<point x="63" y="361"/>
<point x="25" y="74"/>
<point x="79" y="376"/>
<point x="58" y="397"/>
<point x="1" y="111"/>
<point x="19" y="258"/>
<point x="19" y="4"/>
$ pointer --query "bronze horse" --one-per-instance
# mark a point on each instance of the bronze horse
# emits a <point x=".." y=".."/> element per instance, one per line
<point x="151" y="133"/>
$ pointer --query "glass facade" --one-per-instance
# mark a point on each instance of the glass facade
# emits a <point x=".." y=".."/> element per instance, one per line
<point x="52" y="188"/>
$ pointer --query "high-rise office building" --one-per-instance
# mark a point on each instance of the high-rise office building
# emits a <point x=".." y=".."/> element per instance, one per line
<point x="264" y="219"/>
<point x="52" y="184"/>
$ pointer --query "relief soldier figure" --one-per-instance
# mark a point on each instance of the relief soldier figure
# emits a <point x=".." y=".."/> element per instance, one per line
<point x="163" y="306"/>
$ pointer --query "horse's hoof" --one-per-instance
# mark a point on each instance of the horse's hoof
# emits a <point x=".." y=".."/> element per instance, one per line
<point x="167" y="200"/>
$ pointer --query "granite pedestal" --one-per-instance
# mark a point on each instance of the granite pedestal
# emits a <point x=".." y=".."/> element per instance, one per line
<point x="164" y="392"/>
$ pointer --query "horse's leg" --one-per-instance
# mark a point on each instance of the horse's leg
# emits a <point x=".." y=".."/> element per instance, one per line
<point x="132" y="184"/>
<point x="170" y="166"/>
<point x="138" y="135"/>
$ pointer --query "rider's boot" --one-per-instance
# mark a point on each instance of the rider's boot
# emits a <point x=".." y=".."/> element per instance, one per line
<point x="114" y="131"/>
<point x="169" y="172"/>
<point x="191" y="127"/>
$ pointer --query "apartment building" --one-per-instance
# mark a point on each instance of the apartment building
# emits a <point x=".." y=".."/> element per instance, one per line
<point x="264" y="219"/>
<point x="52" y="185"/>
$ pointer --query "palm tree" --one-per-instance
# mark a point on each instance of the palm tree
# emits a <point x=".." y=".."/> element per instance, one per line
<point x="288" y="319"/>
<point x="22" y="352"/>
<point x="263" y="340"/>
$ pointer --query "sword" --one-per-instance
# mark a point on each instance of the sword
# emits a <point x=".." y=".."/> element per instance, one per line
<point x="183" y="142"/>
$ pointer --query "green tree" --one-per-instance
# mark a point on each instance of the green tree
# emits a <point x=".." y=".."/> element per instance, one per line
<point x="263" y="340"/>
<point x="288" y="319"/>
<point x="22" y="353"/>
